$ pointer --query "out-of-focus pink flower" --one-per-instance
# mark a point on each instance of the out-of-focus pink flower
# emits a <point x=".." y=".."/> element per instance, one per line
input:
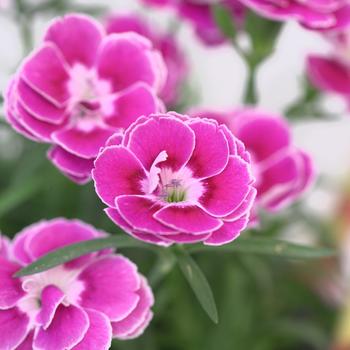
<point x="4" y="246"/>
<point x="79" y="305"/>
<point x="313" y="14"/>
<point x="81" y="86"/>
<point x="331" y="73"/>
<point x="282" y="171"/>
<point x="200" y="14"/>
<point x="176" y="179"/>
<point x="167" y="45"/>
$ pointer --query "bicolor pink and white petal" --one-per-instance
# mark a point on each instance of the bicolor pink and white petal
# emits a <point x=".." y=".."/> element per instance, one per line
<point x="80" y="86"/>
<point x="175" y="179"/>
<point x="166" y="43"/>
<point x="313" y="14"/>
<point x="82" y="304"/>
<point x="283" y="172"/>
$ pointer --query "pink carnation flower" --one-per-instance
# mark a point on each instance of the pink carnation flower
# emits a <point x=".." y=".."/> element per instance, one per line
<point x="167" y="45"/>
<point x="313" y="14"/>
<point x="200" y="15"/>
<point x="79" y="305"/>
<point x="282" y="171"/>
<point x="332" y="73"/>
<point x="81" y="86"/>
<point x="174" y="179"/>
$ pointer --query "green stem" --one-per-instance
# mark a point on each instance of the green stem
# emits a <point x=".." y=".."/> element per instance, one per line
<point x="250" y="90"/>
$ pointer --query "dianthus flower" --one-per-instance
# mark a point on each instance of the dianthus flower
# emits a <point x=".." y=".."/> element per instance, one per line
<point x="166" y="43"/>
<point x="175" y="179"/>
<point x="313" y="14"/>
<point x="200" y="15"/>
<point x="282" y="171"/>
<point x="81" y="86"/>
<point x="331" y="73"/>
<point x="79" y="305"/>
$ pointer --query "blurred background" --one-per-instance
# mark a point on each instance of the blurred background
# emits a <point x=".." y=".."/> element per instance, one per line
<point x="264" y="303"/>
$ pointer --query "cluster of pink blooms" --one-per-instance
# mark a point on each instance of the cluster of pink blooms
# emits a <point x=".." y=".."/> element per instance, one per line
<point x="80" y="305"/>
<point x="166" y="178"/>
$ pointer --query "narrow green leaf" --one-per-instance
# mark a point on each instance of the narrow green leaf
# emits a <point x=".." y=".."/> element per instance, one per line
<point x="268" y="246"/>
<point x="224" y="21"/>
<point x="70" y="252"/>
<point x="198" y="283"/>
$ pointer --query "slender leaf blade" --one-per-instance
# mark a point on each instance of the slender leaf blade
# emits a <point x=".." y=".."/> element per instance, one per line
<point x="198" y="283"/>
<point x="268" y="246"/>
<point x="70" y="252"/>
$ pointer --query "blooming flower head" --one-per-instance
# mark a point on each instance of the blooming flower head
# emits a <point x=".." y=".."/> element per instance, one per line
<point x="174" y="58"/>
<point x="174" y="179"/>
<point x="331" y="73"/>
<point x="81" y="86"/>
<point x="79" y="305"/>
<point x="282" y="171"/>
<point x="199" y="13"/>
<point x="313" y="14"/>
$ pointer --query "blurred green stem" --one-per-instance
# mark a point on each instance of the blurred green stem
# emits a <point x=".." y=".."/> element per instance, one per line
<point x="164" y="264"/>
<point x="250" y="90"/>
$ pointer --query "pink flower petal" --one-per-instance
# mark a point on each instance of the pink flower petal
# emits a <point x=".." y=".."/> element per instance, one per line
<point x="45" y="72"/>
<point x="186" y="218"/>
<point x="181" y="238"/>
<point x="111" y="285"/>
<point x="227" y="190"/>
<point x="66" y="330"/>
<point x="138" y="315"/>
<point x="117" y="171"/>
<point x="146" y="141"/>
<point x="85" y="144"/>
<point x="14" y="328"/>
<point x="211" y="152"/>
<point x="135" y="63"/>
<point x="228" y="232"/>
<point x="138" y="212"/>
<point x="37" y="105"/>
<point x="132" y="103"/>
<point x="10" y="291"/>
<point x="77" y="36"/>
<point x="51" y="298"/>
<point x="27" y="344"/>
<point x="329" y="74"/>
<point x="141" y="328"/>
<point x="70" y="164"/>
<point x="99" y="334"/>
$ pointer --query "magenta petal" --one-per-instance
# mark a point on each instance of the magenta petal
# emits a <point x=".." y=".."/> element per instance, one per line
<point x="226" y="191"/>
<point x="85" y="144"/>
<point x="244" y="208"/>
<point x="77" y="36"/>
<point x="138" y="212"/>
<point x="146" y="141"/>
<point x="186" y="238"/>
<point x="37" y="105"/>
<point x="187" y="218"/>
<point x="137" y="317"/>
<point x="111" y="285"/>
<point x="70" y="164"/>
<point x="45" y="72"/>
<point x="132" y="103"/>
<point x="51" y="298"/>
<point x="134" y="61"/>
<point x="10" y="287"/>
<point x="40" y="129"/>
<point x="329" y="74"/>
<point x="14" y="328"/>
<point x="58" y="233"/>
<point x="117" y="171"/>
<point x="211" y="152"/>
<point x="66" y="330"/>
<point x="228" y="232"/>
<point x="99" y="334"/>
<point x="27" y="344"/>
